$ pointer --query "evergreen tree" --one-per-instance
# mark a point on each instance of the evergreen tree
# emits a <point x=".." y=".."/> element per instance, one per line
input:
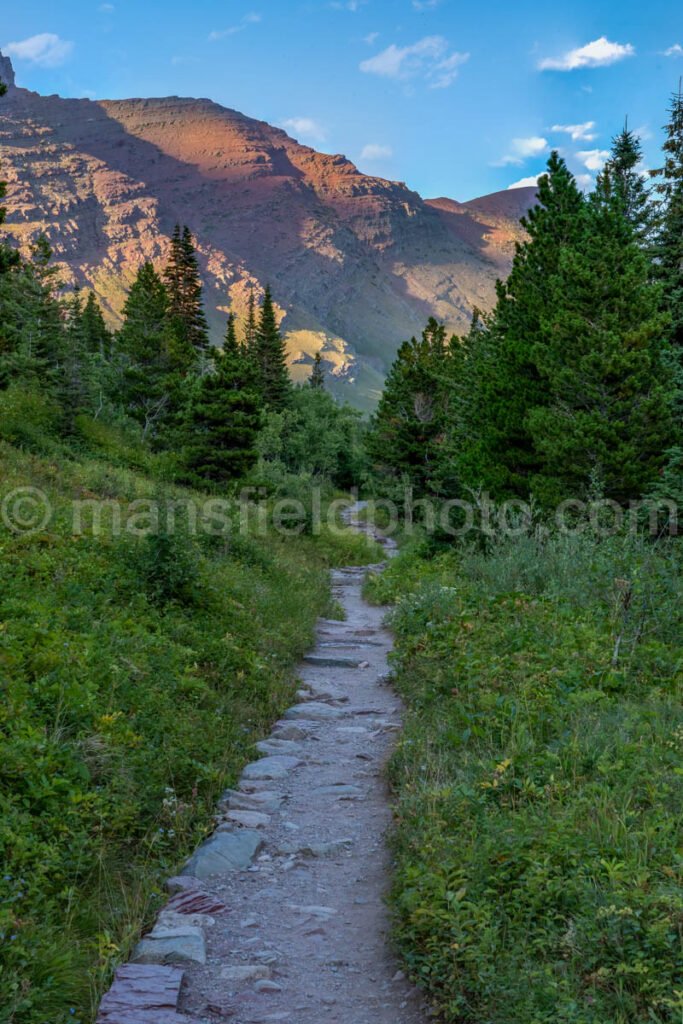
<point x="143" y="344"/>
<point x="251" y="328"/>
<point x="271" y="354"/>
<point x="669" y="243"/>
<point x="601" y="351"/>
<point x="621" y="178"/>
<point x="317" y="378"/>
<point x="411" y="416"/>
<point x="223" y="418"/>
<point x="97" y="337"/>
<point x="189" y="330"/>
<point x="511" y="384"/>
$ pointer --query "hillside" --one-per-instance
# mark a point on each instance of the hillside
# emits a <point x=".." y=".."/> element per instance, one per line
<point x="356" y="262"/>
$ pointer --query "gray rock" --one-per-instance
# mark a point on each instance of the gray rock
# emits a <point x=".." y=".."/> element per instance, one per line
<point x="248" y="972"/>
<point x="225" y="852"/>
<point x="329" y="661"/>
<point x="312" y="711"/>
<point x="289" y="731"/>
<point x="277" y="767"/>
<point x="172" y="946"/>
<point x="276" y="746"/>
<point x="340" y="792"/>
<point x="267" y="802"/>
<point x="247" y="819"/>
<point x="317" y="849"/>
<point x="264" y="985"/>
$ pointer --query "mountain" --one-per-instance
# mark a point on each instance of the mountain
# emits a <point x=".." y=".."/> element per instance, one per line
<point x="356" y="263"/>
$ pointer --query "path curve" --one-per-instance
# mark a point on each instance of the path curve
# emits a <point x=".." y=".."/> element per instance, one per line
<point x="280" y="916"/>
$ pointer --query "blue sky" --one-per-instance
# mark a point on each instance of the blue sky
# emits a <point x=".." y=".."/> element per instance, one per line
<point x="455" y="98"/>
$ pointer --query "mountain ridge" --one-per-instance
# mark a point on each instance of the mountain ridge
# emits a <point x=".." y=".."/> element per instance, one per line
<point x="356" y="263"/>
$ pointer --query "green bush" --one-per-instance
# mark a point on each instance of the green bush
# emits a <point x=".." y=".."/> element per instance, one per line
<point x="538" y="780"/>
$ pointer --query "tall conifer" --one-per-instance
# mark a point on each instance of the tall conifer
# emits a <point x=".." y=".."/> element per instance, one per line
<point x="271" y="357"/>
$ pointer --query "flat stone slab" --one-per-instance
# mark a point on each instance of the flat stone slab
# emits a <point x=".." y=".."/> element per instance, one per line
<point x="276" y="747"/>
<point x="172" y="946"/>
<point x="249" y="819"/>
<point x="276" y="767"/>
<point x="290" y="731"/>
<point x="248" y="972"/>
<point x="341" y="792"/>
<point x="329" y="661"/>
<point x="195" y="901"/>
<point x="140" y="987"/>
<point x="225" y="852"/>
<point x="266" y="802"/>
<point x="312" y="711"/>
<point x="323" y="694"/>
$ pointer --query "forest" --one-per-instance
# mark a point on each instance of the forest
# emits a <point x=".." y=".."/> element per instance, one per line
<point x="538" y="781"/>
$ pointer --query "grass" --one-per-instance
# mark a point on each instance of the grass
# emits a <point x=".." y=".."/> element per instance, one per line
<point x="137" y="674"/>
<point x="538" y="781"/>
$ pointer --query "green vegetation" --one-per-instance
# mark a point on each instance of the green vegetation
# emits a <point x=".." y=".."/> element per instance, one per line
<point x="538" y="783"/>
<point x="539" y="780"/>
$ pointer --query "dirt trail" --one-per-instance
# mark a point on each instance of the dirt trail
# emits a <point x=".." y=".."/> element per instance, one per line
<point x="294" y="926"/>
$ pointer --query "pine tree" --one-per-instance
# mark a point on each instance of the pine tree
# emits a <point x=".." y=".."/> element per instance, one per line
<point x="97" y="337"/>
<point x="317" y="378"/>
<point x="189" y="329"/>
<point x="275" y="383"/>
<point x="251" y="328"/>
<point x="669" y="243"/>
<point x="608" y="420"/>
<point x="622" y="179"/>
<point x="143" y="345"/>
<point x="511" y="384"/>
<point x="223" y="419"/>
<point x="411" y="415"/>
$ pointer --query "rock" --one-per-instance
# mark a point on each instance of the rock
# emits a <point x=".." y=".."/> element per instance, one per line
<point x="326" y="694"/>
<point x="324" y="913"/>
<point x="172" y="946"/>
<point x="271" y="767"/>
<point x="318" y="849"/>
<point x="276" y="746"/>
<point x="266" y="802"/>
<point x="138" y="988"/>
<point x="195" y="901"/>
<point x="248" y="972"/>
<point x="329" y="661"/>
<point x="171" y="920"/>
<point x="289" y="731"/>
<point x="248" y="819"/>
<point x="181" y="883"/>
<point x="224" y="852"/>
<point x="340" y="792"/>
<point x="313" y="711"/>
<point x="264" y="985"/>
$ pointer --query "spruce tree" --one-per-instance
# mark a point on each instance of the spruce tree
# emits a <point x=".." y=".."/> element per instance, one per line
<point x="275" y="383"/>
<point x="189" y="329"/>
<point x="97" y="337"/>
<point x="622" y="179"/>
<point x="317" y="378"/>
<point x="669" y="243"/>
<point x="601" y="350"/>
<point x="143" y="346"/>
<point x="223" y="419"/>
<point x="511" y="384"/>
<point x="412" y="412"/>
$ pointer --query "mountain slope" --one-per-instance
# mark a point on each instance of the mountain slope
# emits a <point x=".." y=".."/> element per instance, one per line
<point x="356" y="263"/>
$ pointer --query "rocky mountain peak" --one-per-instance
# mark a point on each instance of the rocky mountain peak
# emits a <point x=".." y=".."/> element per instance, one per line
<point x="6" y="71"/>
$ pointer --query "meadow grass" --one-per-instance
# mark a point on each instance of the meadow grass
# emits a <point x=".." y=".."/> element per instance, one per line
<point x="538" y="782"/>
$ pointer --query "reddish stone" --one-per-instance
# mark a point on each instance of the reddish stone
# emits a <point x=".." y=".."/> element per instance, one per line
<point x="141" y="989"/>
<point x="195" y="901"/>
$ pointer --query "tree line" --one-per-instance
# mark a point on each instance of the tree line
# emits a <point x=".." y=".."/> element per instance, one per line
<point x="217" y="410"/>
<point x="572" y="385"/>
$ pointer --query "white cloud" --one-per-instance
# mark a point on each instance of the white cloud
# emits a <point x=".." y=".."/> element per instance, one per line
<point x="249" y="19"/>
<point x="375" y="151"/>
<point x="348" y="5"/>
<point x="306" y="128"/>
<point x="594" y="159"/>
<point x="425" y="5"/>
<point x="577" y="131"/>
<point x="46" y="50"/>
<point x="371" y="38"/>
<point x="107" y="8"/>
<point x="674" y="51"/>
<point x="525" y="182"/>
<point x="585" y="182"/>
<point x="522" y="149"/>
<point x="597" y="54"/>
<point x="429" y="58"/>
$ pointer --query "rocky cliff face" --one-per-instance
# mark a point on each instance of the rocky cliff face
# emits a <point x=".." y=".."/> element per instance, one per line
<point x="356" y="263"/>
